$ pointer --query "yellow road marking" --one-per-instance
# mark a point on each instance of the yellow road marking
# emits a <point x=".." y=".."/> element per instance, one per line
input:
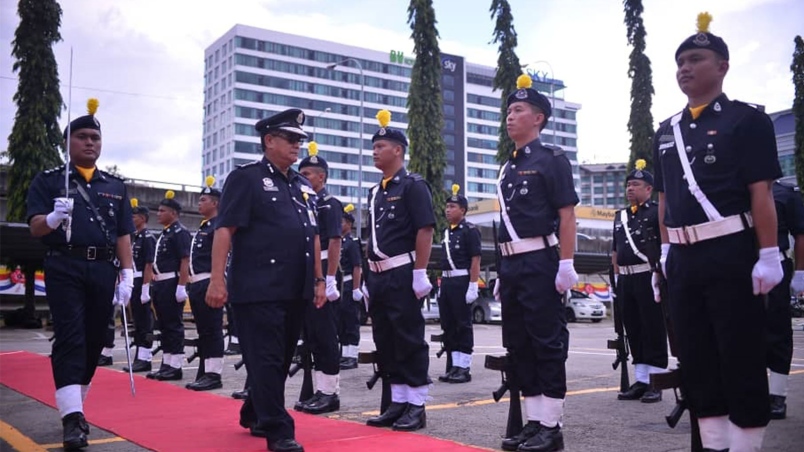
<point x="796" y="372"/>
<point x="114" y="439"/>
<point x="17" y="440"/>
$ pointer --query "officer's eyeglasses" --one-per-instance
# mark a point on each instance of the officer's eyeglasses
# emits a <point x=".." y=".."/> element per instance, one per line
<point x="291" y="138"/>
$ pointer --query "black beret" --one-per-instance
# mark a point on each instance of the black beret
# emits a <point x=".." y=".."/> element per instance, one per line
<point x="387" y="133"/>
<point x="137" y="209"/>
<point x="313" y="159"/>
<point x="458" y="199"/>
<point x="209" y="189"/>
<point x="88" y="121"/>
<point x="288" y="120"/>
<point x="704" y="40"/>
<point x="524" y="93"/>
<point x="170" y="202"/>
<point x="347" y="213"/>
<point x="639" y="173"/>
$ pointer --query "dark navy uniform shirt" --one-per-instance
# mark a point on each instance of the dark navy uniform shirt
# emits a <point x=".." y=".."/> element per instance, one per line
<point x="273" y="246"/>
<point x="729" y="146"/>
<point x="330" y="213"/>
<point x="172" y="246"/>
<point x="350" y="254"/>
<point x="400" y="209"/>
<point x="143" y="248"/>
<point x="644" y="227"/>
<point x="535" y="185"/>
<point x="789" y="213"/>
<point x="107" y="193"/>
<point x="464" y="244"/>
<point x="201" y="248"/>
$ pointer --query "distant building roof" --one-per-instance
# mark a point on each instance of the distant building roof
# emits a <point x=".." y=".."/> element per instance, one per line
<point x="602" y="167"/>
<point x="783" y="121"/>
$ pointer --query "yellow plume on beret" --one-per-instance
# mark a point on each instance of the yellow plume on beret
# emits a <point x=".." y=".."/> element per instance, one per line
<point x="704" y="19"/>
<point x="305" y="196"/>
<point x="209" y="181"/>
<point x="640" y="164"/>
<point x="455" y="189"/>
<point x="524" y="81"/>
<point x="92" y="105"/>
<point x="312" y="148"/>
<point x="384" y="118"/>
<point x="169" y="194"/>
<point x="349" y="208"/>
<point x="134" y="202"/>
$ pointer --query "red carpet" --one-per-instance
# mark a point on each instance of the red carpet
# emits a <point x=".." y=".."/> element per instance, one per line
<point x="166" y="418"/>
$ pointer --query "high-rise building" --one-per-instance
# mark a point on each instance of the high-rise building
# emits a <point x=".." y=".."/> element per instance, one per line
<point x="784" y="124"/>
<point x="603" y="185"/>
<point x="251" y="73"/>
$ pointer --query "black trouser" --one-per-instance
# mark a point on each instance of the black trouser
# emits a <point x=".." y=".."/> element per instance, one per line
<point x="231" y="326"/>
<point x="170" y="315"/>
<point x="348" y="316"/>
<point x="321" y="336"/>
<point x="268" y="334"/>
<point x="534" y="322"/>
<point x="779" y="329"/>
<point x="720" y="328"/>
<point x="79" y="295"/>
<point x="143" y="316"/>
<point x="643" y="320"/>
<point x="456" y="315"/>
<point x="397" y="325"/>
<point x="208" y="321"/>
<point x="108" y="337"/>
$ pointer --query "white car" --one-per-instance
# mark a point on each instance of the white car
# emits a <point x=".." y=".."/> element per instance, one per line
<point x="581" y="306"/>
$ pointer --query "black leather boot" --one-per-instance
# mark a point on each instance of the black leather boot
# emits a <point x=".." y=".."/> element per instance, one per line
<point x="394" y="411"/>
<point x="240" y="395"/>
<point x="549" y="439"/>
<point x="325" y="403"/>
<point x="348" y="363"/>
<point x="207" y="382"/>
<point x="170" y="374"/>
<point x="414" y="418"/>
<point x="651" y="396"/>
<point x="139" y="365"/>
<point x="285" y="445"/>
<point x="778" y="407"/>
<point x="76" y="430"/>
<point x="299" y="406"/>
<point x="460" y="375"/>
<point x="445" y="378"/>
<point x="152" y="375"/>
<point x="105" y="361"/>
<point x="530" y="430"/>
<point x="635" y="392"/>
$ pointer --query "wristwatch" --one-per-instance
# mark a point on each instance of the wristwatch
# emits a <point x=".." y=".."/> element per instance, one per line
<point x="318" y="280"/>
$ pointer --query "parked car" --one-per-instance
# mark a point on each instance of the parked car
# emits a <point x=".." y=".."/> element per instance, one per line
<point x="581" y="306"/>
<point x="486" y="309"/>
<point x="430" y="307"/>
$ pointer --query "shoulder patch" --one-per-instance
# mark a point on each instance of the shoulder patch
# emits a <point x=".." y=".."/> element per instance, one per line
<point x="414" y="176"/>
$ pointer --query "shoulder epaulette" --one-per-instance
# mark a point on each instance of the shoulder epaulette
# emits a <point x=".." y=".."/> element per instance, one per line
<point x="758" y="107"/>
<point x="55" y="170"/>
<point x="113" y="176"/>
<point x="246" y="165"/>
<point x="556" y="150"/>
<point x="327" y="198"/>
<point x="415" y="176"/>
<point x="470" y="225"/>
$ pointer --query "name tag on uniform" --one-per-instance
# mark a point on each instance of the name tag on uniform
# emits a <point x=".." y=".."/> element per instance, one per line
<point x="393" y="198"/>
<point x="663" y="146"/>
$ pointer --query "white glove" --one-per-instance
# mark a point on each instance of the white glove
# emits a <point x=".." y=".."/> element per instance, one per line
<point x="471" y="293"/>
<point x="357" y="295"/>
<point x="364" y="289"/>
<point x="663" y="258"/>
<point x="116" y="299"/>
<point x="124" y="287"/>
<point x="566" y="276"/>
<point x="767" y="272"/>
<point x="797" y="284"/>
<point x="62" y="209"/>
<point x="145" y="297"/>
<point x="332" y="292"/>
<point x="421" y="284"/>
<point x="497" y="285"/>
<point x="181" y="293"/>
<point x="654" y="282"/>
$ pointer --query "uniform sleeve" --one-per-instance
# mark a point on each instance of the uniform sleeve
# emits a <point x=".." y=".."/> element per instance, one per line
<point x="794" y="210"/>
<point x="658" y="176"/>
<point x="474" y="242"/>
<point x="126" y="224"/>
<point x="560" y="186"/>
<point x="183" y="243"/>
<point x="614" y="233"/>
<point x="234" y="209"/>
<point x="333" y="226"/>
<point x="149" y="249"/>
<point x="354" y="253"/>
<point x="40" y="202"/>
<point x="756" y="148"/>
<point x="420" y="204"/>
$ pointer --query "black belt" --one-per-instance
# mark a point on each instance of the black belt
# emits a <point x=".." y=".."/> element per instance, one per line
<point x="88" y="253"/>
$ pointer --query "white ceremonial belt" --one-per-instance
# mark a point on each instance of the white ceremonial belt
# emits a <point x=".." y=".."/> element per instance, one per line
<point x="324" y="254"/>
<point x="689" y="235"/>
<point x="164" y="276"/>
<point x="392" y="262"/>
<point x="137" y="274"/>
<point x="454" y="273"/>
<point x="199" y="277"/>
<point x="634" y="269"/>
<point x="528" y="245"/>
<point x="347" y="278"/>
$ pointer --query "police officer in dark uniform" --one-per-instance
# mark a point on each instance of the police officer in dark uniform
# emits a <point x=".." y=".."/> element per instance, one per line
<point x="790" y="217"/>
<point x="351" y="295"/>
<point x="636" y="241"/>
<point x="537" y="199"/>
<point x="208" y="320"/>
<point x="715" y="163"/>
<point x="321" y="325"/>
<point x="171" y="275"/>
<point x="267" y="215"/>
<point x="143" y="249"/>
<point x="86" y="228"/>
<point x="401" y="237"/>
<point x="460" y="270"/>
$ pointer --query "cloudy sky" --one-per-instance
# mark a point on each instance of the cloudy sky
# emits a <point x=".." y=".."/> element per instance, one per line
<point x="144" y="60"/>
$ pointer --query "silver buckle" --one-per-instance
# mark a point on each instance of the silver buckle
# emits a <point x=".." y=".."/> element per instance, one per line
<point x="92" y="253"/>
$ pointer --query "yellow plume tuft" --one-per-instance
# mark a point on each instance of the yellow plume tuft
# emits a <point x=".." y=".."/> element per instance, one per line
<point x="92" y="105"/>
<point x="455" y="189"/>
<point x="524" y="81"/>
<point x="349" y="208"/>
<point x="305" y="196"/>
<point x="703" y="22"/>
<point x="209" y="181"/>
<point x="384" y="118"/>
<point x="170" y="194"/>
<point x="134" y="203"/>
<point x="312" y="148"/>
<point x="640" y="164"/>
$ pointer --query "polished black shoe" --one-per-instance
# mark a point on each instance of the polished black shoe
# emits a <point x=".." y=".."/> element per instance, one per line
<point x="105" y="360"/>
<point x="258" y="432"/>
<point x="285" y="445"/>
<point x="445" y="378"/>
<point x="232" y="349"/>
<point x="248" y="418"/>
<point x="139" y="365"/>
<point x="651" y="396"/>
<point x="460" y="375"/>
<point x="394" y="411"/>
<point x="778" y="407"/>
<point x="170" y="374"/>
<point x="348" y="363"/>
<point x="207" y="382"/>
<point x="635" y="392"/>
<point x="530" y="430"/>
<point x="549" y="439"/>
<point x="325" y="403"/>
<point x="240" y="395"/>
<point x="152" y="375"/>
<point x="414" y="418"/>
<point x="76" y="430"/>
<point x="299" y="406"/>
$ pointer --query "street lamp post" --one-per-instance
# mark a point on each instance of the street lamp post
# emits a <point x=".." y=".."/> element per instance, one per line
<point x="360" y="155"/>
<point x="326" y="110"/>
